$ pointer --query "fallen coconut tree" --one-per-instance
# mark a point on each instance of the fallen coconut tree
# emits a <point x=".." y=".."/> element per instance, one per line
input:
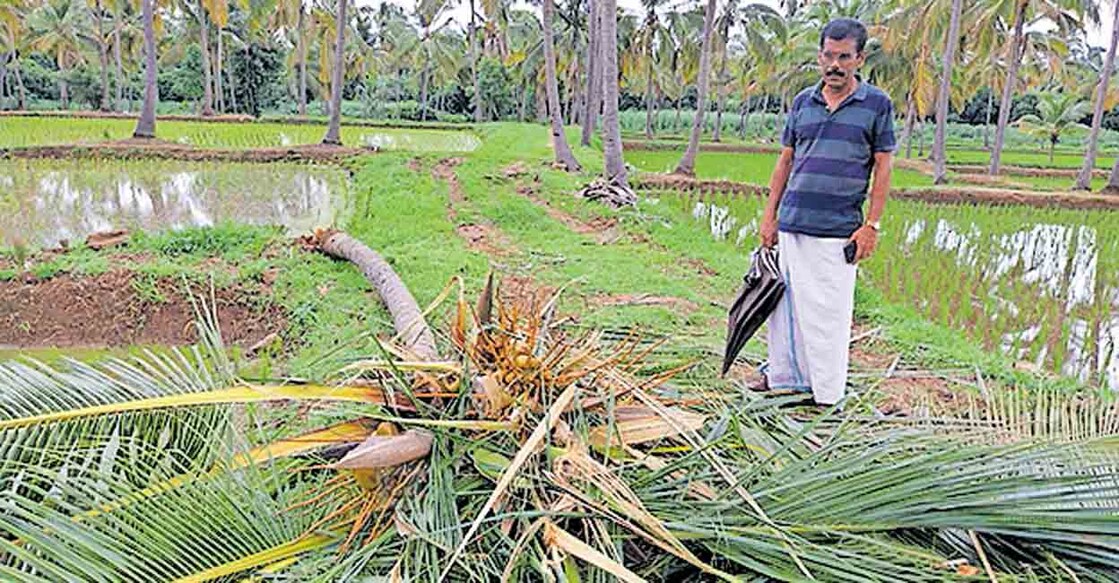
<point x="535" y="453"/>
<point x="406" y="315"/>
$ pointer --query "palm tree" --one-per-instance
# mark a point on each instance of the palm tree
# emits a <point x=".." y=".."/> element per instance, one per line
<point x="145" y="126"/>
<point x="615" y="166"/>
<point x="1084" y="178"/>
<point x="759" y="24"/>
<point x="593" y="101"/>
<point x="97" y="11"/>
<point x="290" y="19"/>
<point x="472" y="39"/>
<point x="1058" y="111"/>
<point x="563" y="153"/>
<point x="687" y="162"/>
<point x="13" y="40"/>
<point x="334" y="127"/>
<point x="1065" y="13"/>
<point x="57" y="27"/>
<point x="939" y="156"/>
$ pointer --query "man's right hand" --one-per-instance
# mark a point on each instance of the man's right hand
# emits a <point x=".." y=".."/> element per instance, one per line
<point x="768" y="231"/>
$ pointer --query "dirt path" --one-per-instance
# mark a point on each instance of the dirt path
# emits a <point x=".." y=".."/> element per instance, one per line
<point x="482" y="237"/>
<point x="121" y="308"/>
<point x="940" y="195"/>
<point x="159" y="149"/>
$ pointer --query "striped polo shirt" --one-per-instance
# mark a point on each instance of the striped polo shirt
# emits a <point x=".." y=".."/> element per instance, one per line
<point x="834" y="154"/>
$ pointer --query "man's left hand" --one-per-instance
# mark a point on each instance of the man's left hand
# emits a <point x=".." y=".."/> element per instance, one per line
<point x="866" y="239"/>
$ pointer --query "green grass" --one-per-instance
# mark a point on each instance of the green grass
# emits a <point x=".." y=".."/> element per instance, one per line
<point x="40" y="131"/>
<point x="1038" y="159"/>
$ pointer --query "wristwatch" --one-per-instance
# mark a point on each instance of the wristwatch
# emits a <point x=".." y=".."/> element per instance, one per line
<point x="876" y="225"/>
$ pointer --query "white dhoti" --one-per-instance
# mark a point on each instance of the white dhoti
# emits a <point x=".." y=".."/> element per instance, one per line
<point x="810" y="330"/>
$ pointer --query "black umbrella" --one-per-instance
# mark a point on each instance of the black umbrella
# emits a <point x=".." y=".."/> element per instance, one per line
<point x="762" y="288"/>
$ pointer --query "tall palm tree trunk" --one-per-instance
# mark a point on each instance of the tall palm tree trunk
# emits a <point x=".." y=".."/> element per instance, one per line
<point x="334" y="128"/>
<point x="102" y="57"/>
<point x="423" y="92"/>
<point x="907" y="131"/>
<point x="615" y="167"/>
<point x="302" y="62"/>
<point x="1084" y="179"/>
<point x="145" y="126"/>
<point x="987" y="122"/>
<point x="207" y="75"/>
<point x="63" y="88"/>
<point x="687" y="163"/>
<point x="19" y="86"/>
<point x="218" y="74"/>
<point x="593" y="102"/>
<point x="473" y="40"/>
<point x="721" y="82"/>
<point x="1016" y="48"/>
<point x="649" y="101"/>
<point x="940" y="159"/>
<point x="119" y="65"/>
<point x="1113" y="180"/>
<point x="562" y="151"/>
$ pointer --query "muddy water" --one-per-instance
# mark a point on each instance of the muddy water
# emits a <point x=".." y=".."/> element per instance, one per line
<point x="43" y="202"/>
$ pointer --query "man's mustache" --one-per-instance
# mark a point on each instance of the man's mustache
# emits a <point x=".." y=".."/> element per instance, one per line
<point x="835" y="73"/>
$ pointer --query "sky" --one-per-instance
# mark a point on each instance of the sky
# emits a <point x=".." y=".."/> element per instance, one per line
<point x="1097" y="35"/>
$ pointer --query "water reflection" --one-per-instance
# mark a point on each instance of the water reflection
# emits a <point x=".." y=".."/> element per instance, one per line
<point x="45" y="202"/>
<point x="1055" y="263"/>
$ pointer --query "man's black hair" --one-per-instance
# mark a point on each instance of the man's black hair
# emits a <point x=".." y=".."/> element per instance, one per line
<point x="844" y="28"/>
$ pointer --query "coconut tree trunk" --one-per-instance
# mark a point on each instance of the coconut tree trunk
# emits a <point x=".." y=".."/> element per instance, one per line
<point x="524" y="104"/>
<point x="63" y="89"/>
<point x="1016" y="48"/>
<point x="19" y="87"/>
<point x="615" y="167"/>
<point x="940" y="160"/>
<point x="676" y="121"/>
<point x="145" y="126"/>
<point x="907" y="132"/>
<point x="218" y="74"/>
<point x="1084" y="179"/>
<point x="207" y="75"/>
<point x="423" y="93"/>
<point x="742" y="111"/>
<point x="649" y="101"/>
<point x="407" y="318"/>
<point x="302" y="41"/>
<point x="473" y="40"/>
<point x="593" y="102"/>
<point x="687" y="163"/>
<point x="119" y="64"/>
<point x="562" y="151"/>
<point x="1113" y="180"/>
<point x="102" y="56"/>
<point x="987" y="122"/>
<point x="334" y="128"/>
<point x="721" y="82"/>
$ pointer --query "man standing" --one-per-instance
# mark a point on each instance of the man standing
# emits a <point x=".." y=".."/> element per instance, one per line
<point x="836" y="134"/>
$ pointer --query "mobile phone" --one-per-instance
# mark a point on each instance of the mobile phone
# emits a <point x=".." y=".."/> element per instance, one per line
<point x="849" y="251"/>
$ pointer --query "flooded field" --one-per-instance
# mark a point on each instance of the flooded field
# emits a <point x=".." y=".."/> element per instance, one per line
<point x="45" y="202"/>
<point x="17" y="132"/>
<point x="1041" y="286"/>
